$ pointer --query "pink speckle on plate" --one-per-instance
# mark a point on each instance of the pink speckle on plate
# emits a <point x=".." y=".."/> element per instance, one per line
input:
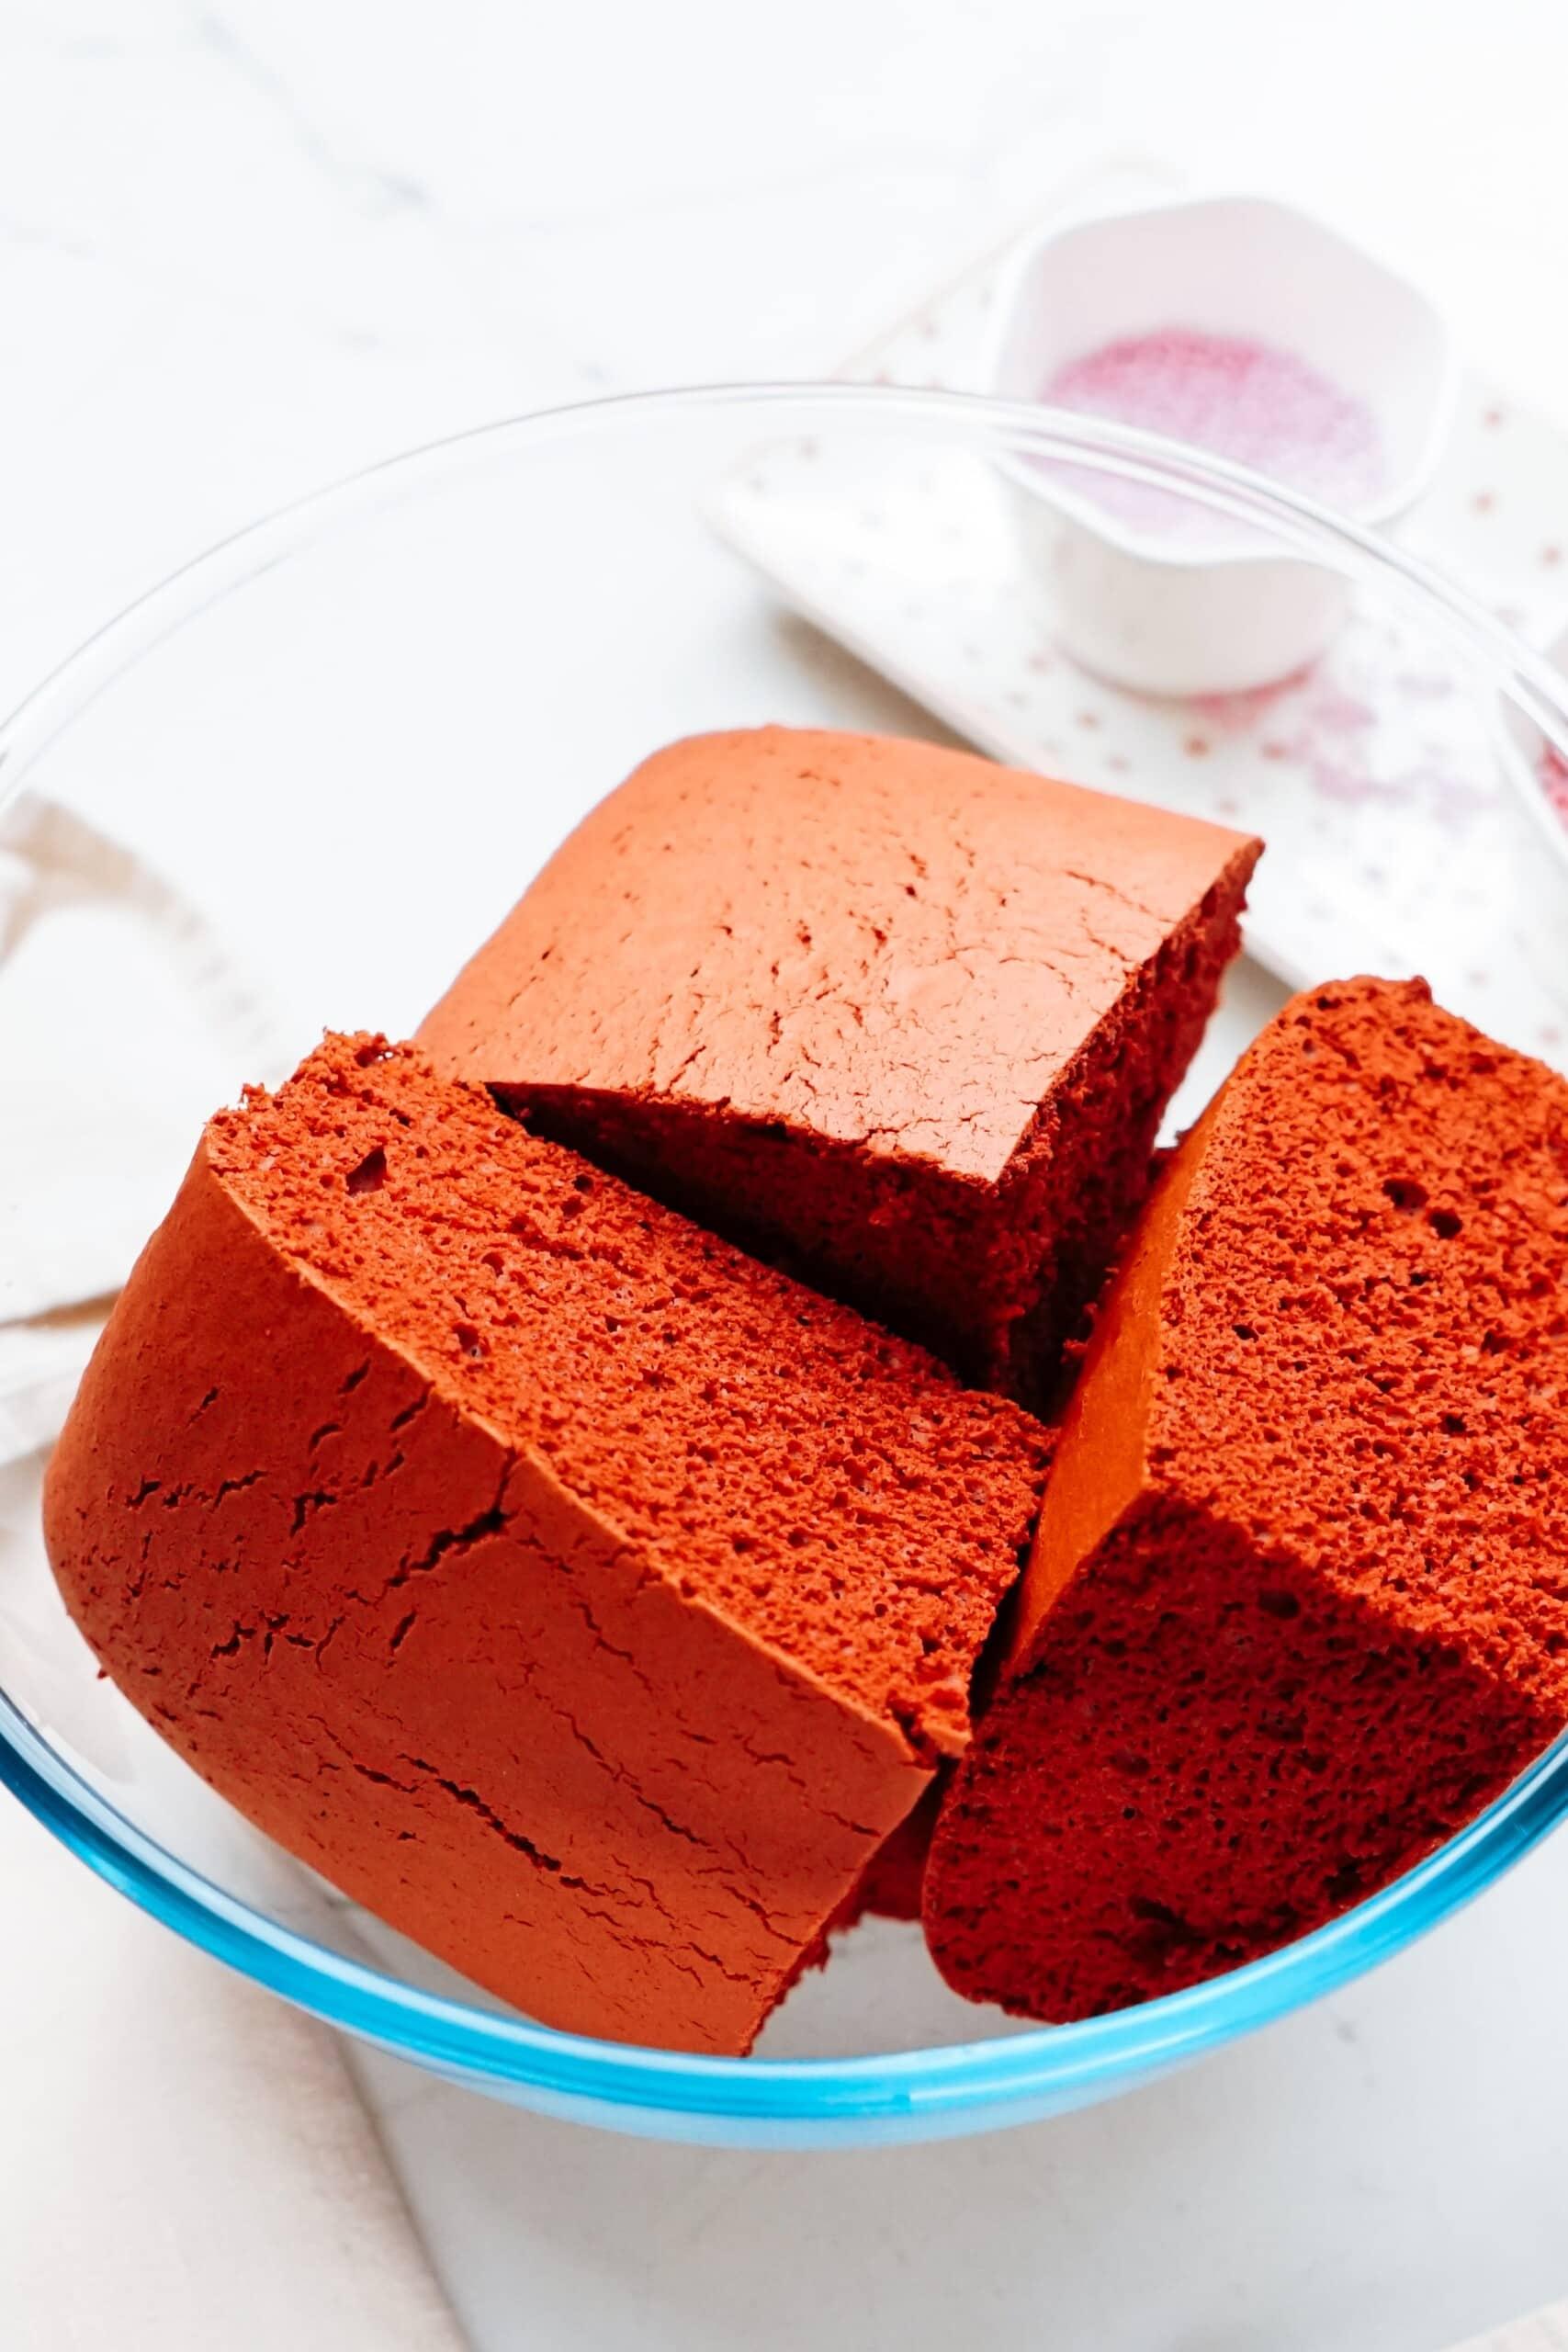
<point x="1239" y="714"/>
<point x="1335" y="780"/>
<point x="1334" y="712"/>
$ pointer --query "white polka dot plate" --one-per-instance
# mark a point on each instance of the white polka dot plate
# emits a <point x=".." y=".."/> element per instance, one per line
<point x="1395" y="843"/>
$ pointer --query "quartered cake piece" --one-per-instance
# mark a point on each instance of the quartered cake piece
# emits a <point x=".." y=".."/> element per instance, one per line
<point x="583" y="1597"/>
<point x="904" y="1019"/>
<point x="1298" y="1607"/>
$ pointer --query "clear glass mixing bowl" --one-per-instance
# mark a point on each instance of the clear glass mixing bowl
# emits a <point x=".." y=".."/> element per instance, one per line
<point x="348" y="737"/>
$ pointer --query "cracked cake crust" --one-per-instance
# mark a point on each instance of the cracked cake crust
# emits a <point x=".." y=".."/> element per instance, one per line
<point x="900" y="1017"/>
<point x="586" y="1599"/>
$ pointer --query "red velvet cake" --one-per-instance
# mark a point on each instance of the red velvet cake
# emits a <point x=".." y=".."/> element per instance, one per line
<point x="1298" y="1606"/>
<point x="587" y="1600"/>
<point x="900" y="1018"/>
<point x="895" y="1873"/>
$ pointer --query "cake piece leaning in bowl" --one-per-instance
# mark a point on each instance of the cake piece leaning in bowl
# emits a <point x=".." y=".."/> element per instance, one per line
<point x="583" y="1597"/>
<point x="900" y="1017"/>
<point x="1298" y="1606"/>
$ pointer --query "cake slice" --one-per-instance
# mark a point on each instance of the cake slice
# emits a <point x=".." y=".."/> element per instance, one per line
<point x="582" y="1597"/>
<point x="895" y="1873"/>
<point x="902" y="1019"/>
<point x="1298" y="1606"/>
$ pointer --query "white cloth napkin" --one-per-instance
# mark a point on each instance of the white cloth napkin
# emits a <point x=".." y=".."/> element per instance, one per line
<point x="184" y="2161"/>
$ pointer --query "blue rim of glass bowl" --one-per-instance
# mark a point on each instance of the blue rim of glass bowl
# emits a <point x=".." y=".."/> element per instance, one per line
<point x="1051" y="2065"/>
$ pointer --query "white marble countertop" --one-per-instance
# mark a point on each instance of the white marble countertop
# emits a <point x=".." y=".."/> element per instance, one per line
<point x="248" y="246"/>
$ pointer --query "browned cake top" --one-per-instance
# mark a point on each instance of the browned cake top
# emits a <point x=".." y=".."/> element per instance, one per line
<point x="878" y="942"/>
